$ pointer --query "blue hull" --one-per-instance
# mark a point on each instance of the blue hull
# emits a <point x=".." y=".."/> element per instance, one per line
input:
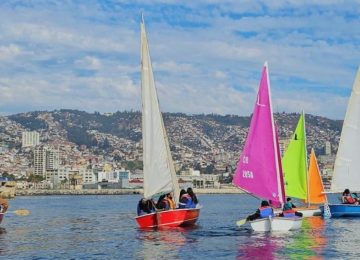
<point x="343" y="210"/>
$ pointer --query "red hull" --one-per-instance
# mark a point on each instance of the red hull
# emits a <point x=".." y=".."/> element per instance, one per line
<point x="1" y="217"/>
<point x="169" y="218"/>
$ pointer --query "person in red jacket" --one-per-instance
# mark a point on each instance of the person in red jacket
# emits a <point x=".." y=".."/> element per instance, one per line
<point x="348" y="198"/>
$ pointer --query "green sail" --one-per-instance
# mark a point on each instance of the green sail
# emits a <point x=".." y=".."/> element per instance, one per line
<point x="294" y="163"/>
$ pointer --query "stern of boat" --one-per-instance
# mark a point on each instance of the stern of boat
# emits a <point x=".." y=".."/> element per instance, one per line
<point x="169" y="218"/>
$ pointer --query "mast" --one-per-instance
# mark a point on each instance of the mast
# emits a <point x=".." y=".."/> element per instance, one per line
<point x="277" y="160"/>
<point x="306" y="164"/>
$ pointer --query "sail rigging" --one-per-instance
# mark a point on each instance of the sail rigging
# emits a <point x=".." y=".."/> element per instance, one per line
<point x="347" y="163"/>
<point x="159" y="172"/>
<point x="294" y="163"/>
<point x="316" y="188"/>
<point x="259" y="168"/>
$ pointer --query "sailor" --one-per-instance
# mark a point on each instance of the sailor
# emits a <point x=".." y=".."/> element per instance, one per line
<point x="185" y="200"/>
<point x="192" y="195"/>
<point x="263" y="212"/>
<point x="348" y="198"/>
<point x="145" y="207"/>
<point x="4" y="205"/>
<point x="166" y="202"/>
<point x="288" y="210"/>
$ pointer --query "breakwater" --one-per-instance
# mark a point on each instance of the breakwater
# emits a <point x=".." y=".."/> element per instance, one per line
<point x="40" y="192"/>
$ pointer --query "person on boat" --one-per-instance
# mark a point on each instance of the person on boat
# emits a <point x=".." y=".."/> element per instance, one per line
<point x="145" y="207"/>
<point x="264" y="211"/>
<point x="4" y="205"/>
<point x="185" y="200"/>
<point x="348" y="198"/>
<point x="192" y="195"/>
<point x="288" y="210"/>
<point x="166" y="202"/>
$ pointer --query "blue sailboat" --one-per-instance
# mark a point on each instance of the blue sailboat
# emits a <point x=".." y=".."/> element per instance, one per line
<point x="347" y="163"/>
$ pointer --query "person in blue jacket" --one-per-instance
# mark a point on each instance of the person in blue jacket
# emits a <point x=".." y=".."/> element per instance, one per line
<point x="288" y="210"/>
<point x="185" y="200"/>
<point x="264" y="211"/>
<point x="192" y="195"/>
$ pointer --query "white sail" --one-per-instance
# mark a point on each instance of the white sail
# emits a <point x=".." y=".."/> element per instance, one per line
<point x="347" y="162"/>
<point x="159" y="172"/>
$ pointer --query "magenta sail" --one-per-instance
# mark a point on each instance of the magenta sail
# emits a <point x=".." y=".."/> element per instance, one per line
<point x="259" y="169"/>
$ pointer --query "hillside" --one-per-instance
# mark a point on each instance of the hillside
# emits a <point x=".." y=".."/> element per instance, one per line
<point x="198" y="133"/>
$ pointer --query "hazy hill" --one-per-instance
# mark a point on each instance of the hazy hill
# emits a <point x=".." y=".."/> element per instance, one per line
<point x="199" y="132"/>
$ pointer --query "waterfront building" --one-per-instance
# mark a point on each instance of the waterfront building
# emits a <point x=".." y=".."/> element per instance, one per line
<point x="124" y="174"/>
<point x="30" y="139"/>
<point x="113" y="176"/>
<point x="199" y="180"/>
<point x="88" y="176"/>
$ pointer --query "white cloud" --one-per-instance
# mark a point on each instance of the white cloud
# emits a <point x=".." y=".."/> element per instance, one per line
<point x="89" y="62"/>
<point x="207" y="55"/>
<point x="171" y="66"/>
<point x="9" y="51"/>
<point x="220" y="74"/>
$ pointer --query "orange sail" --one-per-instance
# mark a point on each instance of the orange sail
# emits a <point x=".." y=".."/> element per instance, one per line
<point x="315" y="185"/>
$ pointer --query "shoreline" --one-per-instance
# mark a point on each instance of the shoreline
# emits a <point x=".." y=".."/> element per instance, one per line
<point x="32" y="192"/>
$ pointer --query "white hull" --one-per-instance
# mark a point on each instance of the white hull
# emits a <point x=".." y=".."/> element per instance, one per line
<point x="310" y="212"/>
<point x="276" y="224"/>
<point x="307" y="212"/>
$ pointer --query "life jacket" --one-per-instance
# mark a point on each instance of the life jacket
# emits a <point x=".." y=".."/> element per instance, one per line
<point x="170" y="203"/>
<point x="289" y="213"/>
<point x="266" y="212"/>
<point x="4" y="205"/>
<point x="186" y="201"/>
<point x="349" y="199"/>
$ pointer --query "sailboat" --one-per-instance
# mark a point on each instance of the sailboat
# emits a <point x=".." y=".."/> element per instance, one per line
<point x="300" y="182"/>
<point x="259" y="169"/>
<point x="159" y="172"/>
<point x="347" y="163"/>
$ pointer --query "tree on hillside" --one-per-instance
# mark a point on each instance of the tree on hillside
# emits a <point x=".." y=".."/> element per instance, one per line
<point x="35" y="178"/>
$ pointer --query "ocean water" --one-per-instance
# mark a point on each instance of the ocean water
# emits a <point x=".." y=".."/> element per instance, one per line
<point x="103" y="227"/>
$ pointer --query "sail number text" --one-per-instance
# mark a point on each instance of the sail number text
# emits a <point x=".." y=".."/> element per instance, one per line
<point x="248" y="174"/>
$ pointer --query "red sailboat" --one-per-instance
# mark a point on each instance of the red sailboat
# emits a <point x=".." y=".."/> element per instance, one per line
<point x="159" y="172"/>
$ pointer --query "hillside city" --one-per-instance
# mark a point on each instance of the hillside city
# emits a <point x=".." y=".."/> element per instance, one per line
<point x="70" y="149"/>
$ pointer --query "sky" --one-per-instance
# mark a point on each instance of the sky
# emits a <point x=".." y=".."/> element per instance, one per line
<point x="207" y="55"/>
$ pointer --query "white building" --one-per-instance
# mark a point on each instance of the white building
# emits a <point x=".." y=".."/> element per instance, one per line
<point x="88" y="176"/>
<point x="114" y="176"/>
<point x="40" y="161"/>
<point x="327" y="148"/>
<point x="30" y="139"/>
<point x="45" y="160"/>
<point x="52" y="159"/>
